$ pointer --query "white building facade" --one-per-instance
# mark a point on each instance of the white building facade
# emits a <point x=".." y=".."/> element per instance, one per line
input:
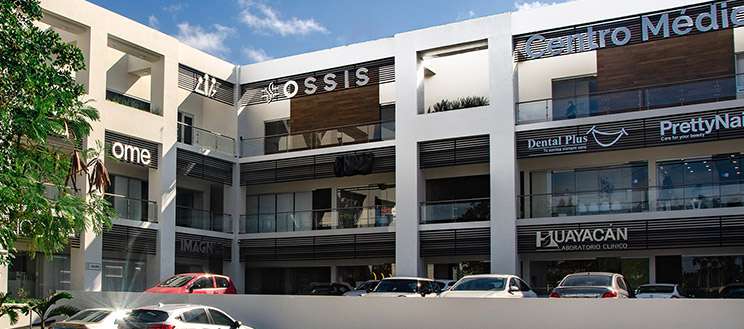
<point x="587" y="136"/>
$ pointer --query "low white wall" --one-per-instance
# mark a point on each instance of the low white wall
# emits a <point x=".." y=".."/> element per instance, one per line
<point x="306" y="312"/>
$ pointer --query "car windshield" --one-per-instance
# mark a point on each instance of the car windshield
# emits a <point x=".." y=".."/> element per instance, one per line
<point x="176" y="281"/>
<point x="397" y="285"/>
<point x="480" y="284"/>
<point x="733" y="292"/>
<point x="655" y="289"/>
<point x="587" y="281"/>
<point x="367" y="285"/>
<point x="147" y="316"/>
<point x="90" y="316"/>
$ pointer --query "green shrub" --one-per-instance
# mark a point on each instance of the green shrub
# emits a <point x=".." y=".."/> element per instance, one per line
<point x="460" y="103"/>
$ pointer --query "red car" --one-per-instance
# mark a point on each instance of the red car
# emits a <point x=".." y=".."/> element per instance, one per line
<point x="195" y="283"/>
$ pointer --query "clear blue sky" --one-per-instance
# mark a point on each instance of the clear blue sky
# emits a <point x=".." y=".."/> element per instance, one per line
<point x="247" y="31"/>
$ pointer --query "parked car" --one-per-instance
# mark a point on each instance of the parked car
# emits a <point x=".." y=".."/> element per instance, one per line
<point x="326" y="289"/>
<point x="490" y="286"/>
<point x="195" y="283"/>
<point x="734" y="290"/>
<point x="405" y="287"/>
<point x="178" y="316"/>
<point x="93" y="318"/>
<point x="363" y="288"/>
<point x="592" y="285"/>
<point x="659" y="290"/>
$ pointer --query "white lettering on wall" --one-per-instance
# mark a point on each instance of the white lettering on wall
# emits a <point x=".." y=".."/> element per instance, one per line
<point x="126" y="152"/>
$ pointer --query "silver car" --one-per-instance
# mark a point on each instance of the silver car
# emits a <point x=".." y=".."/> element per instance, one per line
<point x="180" y="316"/>
<point x="592" y="285"/>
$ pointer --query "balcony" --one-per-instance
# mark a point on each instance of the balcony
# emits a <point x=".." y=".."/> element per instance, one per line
<point x="134" y="209"/>
<point x="315" y="139"/>
<point x="312" y="220"/>
<point x="634" y="200"/>
<point x="206" y="139"/>
<point x="128" y="100"/>
<point x="455" y="211"/>
<point x="629" y="100"/>
<point x="203" y="220"/>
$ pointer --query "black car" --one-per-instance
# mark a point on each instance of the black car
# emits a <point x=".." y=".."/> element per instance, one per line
<point x="326" y="289"/>
<point x="734" y="290"/>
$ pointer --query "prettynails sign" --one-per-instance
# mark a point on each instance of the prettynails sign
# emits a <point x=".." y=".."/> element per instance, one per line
<point x="716" y="16"/>
<point x="699" y="127"/>
<point x="311" y="84"/>
<point x="582" y="239"/>
<point x="575" y="142"/>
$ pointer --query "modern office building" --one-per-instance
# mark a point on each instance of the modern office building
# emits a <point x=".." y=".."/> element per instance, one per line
<point x="586" y="136"/>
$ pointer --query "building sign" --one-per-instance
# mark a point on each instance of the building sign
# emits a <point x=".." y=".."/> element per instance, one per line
<point x="206" y="85"/>
<point x="335" y="79"/>
<point x="582" y="239"/>
<point x="695" y="19"/>
<point x="132" y="150"/>
<point x="197" y="246"/>
<point x="131" y="153"/>
<point x="660" y="131"/>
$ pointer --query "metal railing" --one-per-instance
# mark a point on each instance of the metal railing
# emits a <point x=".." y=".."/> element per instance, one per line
<point x="203" y="219"/>
<point x="311" y="220"/>
<point x="206" y="139"/>
<point x="128" y="100"/>
<point x="134" y="209"/>
<point x="320" y="138"/>
<point x="632" y="200"/>
<point x="455" y="211"/>
<point x="628" y="100"/>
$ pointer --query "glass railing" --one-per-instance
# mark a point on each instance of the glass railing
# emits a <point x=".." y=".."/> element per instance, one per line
<point x="134" y="209"/>
<point x="128" y="100"/>
<point x="639" y="99"/>
<point x="455" y="211"/>
<point x="203" y="219"/>
<point x="310" y="220"/>
<point x="206" y="139"/>
<point x="632" y="200"/>
<point x="314" y="139"/>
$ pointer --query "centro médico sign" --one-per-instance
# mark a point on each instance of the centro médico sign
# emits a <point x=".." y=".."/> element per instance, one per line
<point x="582" y="239"/>
<point x="291" y="88"/>
<point x="131" y="153"/>
<point x="717" y="17"/>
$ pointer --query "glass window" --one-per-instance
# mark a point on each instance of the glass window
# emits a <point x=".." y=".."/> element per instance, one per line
<point x="707" y="276"/>
<point x="203" y="283"/>
<point x="221" y="282"/>
<point x="197" y="315"/>
<point x="398" y="285"/>
<point x="147" y="316"/>
<point x="480" y="284"/>
<point x="220" y="319"/>
<point x="571" y="97"/>
<point x="700" y="183"/>
<point x="650" y="289"/>
<point x="621" y="283"/>
<point x="176" y="281"/>
<point x="587" y="280"/>
<point x="276" y="133"/>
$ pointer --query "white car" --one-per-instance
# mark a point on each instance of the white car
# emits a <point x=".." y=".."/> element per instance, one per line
<point x="658" y="290"/>
<point x="490" y="286"/>
<point x="93" y="318"/>
<point x="405" y="287"/>
<point x="178" y="316"/>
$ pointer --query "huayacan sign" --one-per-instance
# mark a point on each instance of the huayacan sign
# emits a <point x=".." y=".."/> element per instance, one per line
<point x="648" y="27"/>
<point x="582" y="239"/>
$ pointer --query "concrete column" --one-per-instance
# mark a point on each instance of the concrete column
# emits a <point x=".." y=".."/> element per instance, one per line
<point x="503" y="168"/>
<point x="86" y="262"/>
<point x="3" y="279"/>
<point x="235" y="270"/>
<point x="652" y="269"/>
<point x="334" y="274"/>
<point x="408" y="178"/>
<point x="163" y="181"/>
<point x="652" y="190"/>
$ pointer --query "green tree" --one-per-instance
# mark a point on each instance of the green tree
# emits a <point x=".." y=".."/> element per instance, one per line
<point x="42" y="106"/>
<point x="44" y="308"/>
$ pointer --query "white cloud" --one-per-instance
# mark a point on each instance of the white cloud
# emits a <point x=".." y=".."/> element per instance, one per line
<point x="256" y="55"/>
<point x="263" y="18"/>
<point x="532" y="5"/>
<point x="153" y="21"/>
<point x="173" y="8"/>
<point x="210" y="41"/>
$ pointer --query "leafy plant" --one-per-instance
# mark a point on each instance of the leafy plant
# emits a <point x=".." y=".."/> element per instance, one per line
<point x="45" y="309"/>
<point x="10" y="308"/>
<point x="460" y="103"/>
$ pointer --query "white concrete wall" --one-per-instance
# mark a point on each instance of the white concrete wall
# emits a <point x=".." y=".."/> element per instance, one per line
<point x="308" y="312"/>
<point x="456" y="76"/>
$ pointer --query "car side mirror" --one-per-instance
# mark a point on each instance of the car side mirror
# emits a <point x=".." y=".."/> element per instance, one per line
<point x="236" y="324"/>
<point x="513" y="289"/>
<point x="191" y="289"/>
